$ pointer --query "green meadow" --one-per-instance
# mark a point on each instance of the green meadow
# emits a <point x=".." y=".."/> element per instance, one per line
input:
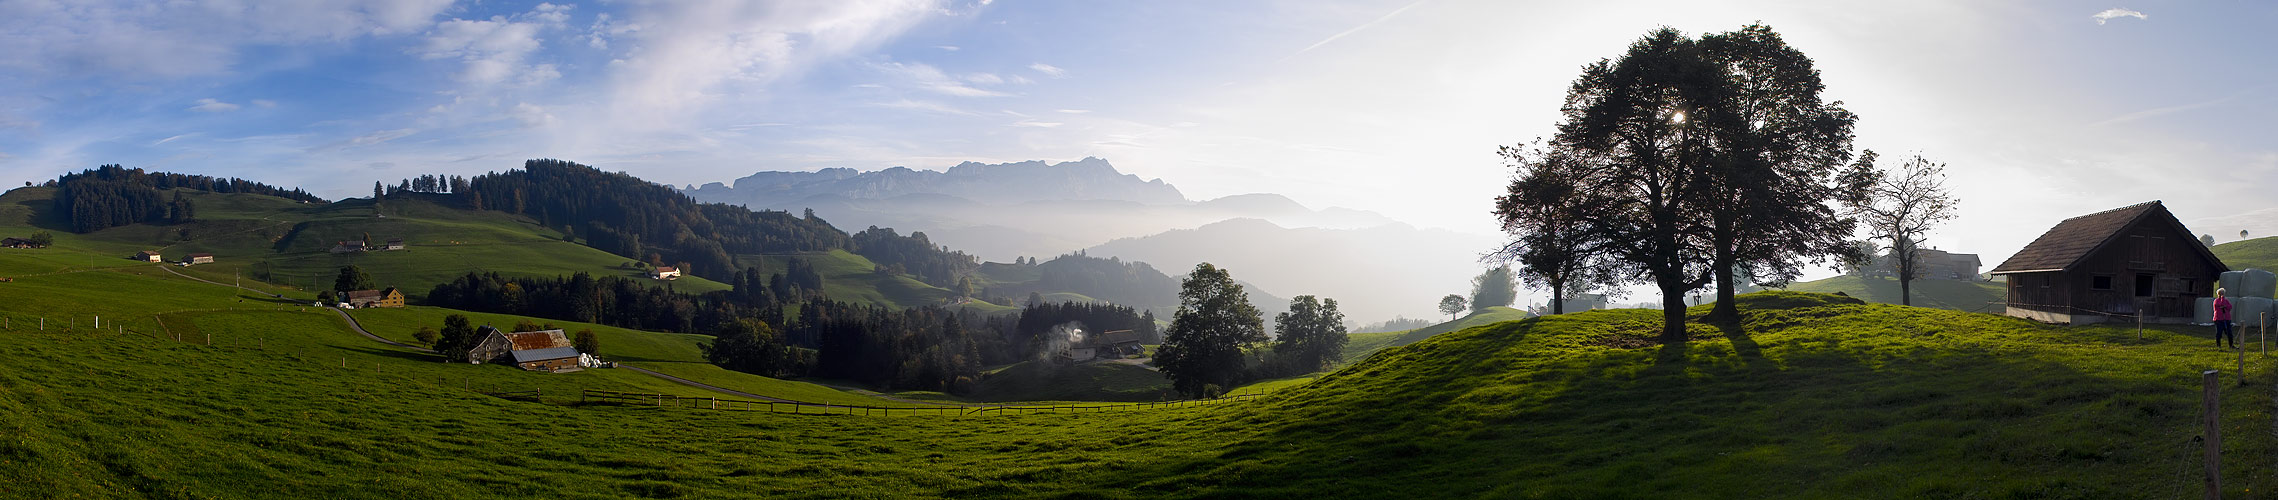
<point x="1811" y="396"/>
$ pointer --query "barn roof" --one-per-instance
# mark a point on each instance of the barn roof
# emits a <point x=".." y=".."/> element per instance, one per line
<point x="2077" y="237"/>
<point x="546" y="339"/>
<point x="528" y="355"/>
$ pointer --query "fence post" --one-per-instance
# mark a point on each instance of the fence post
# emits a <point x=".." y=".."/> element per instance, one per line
<point x="2213" y="411"/>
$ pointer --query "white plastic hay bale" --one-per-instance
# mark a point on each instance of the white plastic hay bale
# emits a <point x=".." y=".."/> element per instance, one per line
<point x="2204" y="311"/>
<point x="2249" y="283"/>
<point x="2246" y="310"/>
<point x="2260" y="283"/>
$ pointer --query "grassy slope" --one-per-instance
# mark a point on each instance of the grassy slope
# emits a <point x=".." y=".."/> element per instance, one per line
<point x="1810" y="400"/>
<point x="1972" y="296"/>
<point x="257" y="235"/>
<point x="2258" y="253"/>
<point x="1043" y="381"/>
<point x="1361" y="345"/>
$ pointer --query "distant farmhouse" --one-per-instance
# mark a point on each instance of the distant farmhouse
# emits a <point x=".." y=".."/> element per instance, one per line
<point x="148" y="256"/>
<point x="350" y="246"/>
<point x="17" y="243"/>
<point x="2119" y="262"/>
<point x="394" y="244"/>
<point x="375" y="298"/>
<point x="1105" y="345"/>
<point x="547" y="350"/>
<point x="198" y="258"/>
<point x="665" y="273"/>
<point x="1932" y="263"/>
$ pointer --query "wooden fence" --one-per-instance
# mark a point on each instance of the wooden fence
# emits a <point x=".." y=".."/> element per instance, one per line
<point x="591" y="396"/>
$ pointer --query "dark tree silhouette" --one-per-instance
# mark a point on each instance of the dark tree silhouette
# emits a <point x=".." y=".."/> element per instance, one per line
<point x="1202" y="353"/>
<point x="1901" y="206"/>
<point x="1311" y="335"/>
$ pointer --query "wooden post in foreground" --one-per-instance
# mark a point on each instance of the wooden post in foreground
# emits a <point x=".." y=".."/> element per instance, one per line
<point x="2213" y="412"/>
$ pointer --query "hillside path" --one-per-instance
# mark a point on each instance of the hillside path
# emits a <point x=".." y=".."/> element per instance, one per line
<point x="359" y="328"/>
<point x="162" y="267"/>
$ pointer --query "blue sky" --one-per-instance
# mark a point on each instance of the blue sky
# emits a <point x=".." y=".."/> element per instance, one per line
<point x="2043" y="110"/>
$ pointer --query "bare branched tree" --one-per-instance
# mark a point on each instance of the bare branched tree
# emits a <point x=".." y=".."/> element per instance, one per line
<point x="1901" y="206"/>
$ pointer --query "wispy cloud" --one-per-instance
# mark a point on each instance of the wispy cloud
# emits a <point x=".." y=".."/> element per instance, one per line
<point x="931" y="79"/>
<point x="211" y="105"/>
<point x="1073" y="111"/>
<point x="1356" y="29"/>
<point x="381" y="136"/>
<point x="2110" y="14"/>
<point x="1049" y="70"/>
<point x="1037" y="124"/>
<point x="917" y="105"/>
<point x="172" y="139"/>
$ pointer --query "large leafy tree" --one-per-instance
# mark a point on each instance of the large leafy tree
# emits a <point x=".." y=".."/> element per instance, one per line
<point x="351" y="279"/>
<point x="1645" y="128"/>
<point x="1311" y="335"/>
<point x="458" y="336"/>
<point x="1213" y="324"/>
<point x="1775" y="169"/>
<point x="1493" y="288"/>
<point x="1452" y="304"/>
<point x="1901" y="206"/>
<point x="1553" y="242"/>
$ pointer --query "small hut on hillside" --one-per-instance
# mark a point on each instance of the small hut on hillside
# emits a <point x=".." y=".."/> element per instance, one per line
<point x="2121" y="263"/>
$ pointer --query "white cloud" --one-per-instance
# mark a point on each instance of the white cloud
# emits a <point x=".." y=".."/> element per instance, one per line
<point x="381" y="136"/>
<point x="1049" y="70"/>
<point x="494" y="50"/>
<point x="172" y="139"/>
<point x="532" y="115"/>
<point x="931" y="79"/>
<point x="950" y="48"/>
<point x="265" y="103"/>
<point x="211" y="105"/>
<point x="924" y="106"/>
<point x="173" y="39"/>
<point x="685" y="53"/>
<point x="2110" y="14"/>
<point x="1037" y="124"/>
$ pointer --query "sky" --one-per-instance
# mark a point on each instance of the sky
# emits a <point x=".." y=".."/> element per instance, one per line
<point x="2040" y="110"/>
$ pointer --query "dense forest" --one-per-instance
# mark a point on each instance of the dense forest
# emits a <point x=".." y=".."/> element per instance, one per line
<point x="630" y="217"/>
<point x="112" y="195"/>
<point x="921" y="348"/>
<point x="1095" y="317"/>
<point x="1111" y="279"/>
<point x="914" y="255"/>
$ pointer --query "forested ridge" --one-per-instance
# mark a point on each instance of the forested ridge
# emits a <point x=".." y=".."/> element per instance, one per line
<point x="112" y="195"/>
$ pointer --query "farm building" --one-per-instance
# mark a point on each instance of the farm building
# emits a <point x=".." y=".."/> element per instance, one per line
<point x="541" y="350"/>
<point x="149" y="256"/>
<point x="198" y="258"/>
<point x="394" y="244"/>
<point x="375" y="298"/>
<point x="1105" y="345"/>
<point x="17" y="243"/>
<point x="665" y="273"/>
<point x="552" y="359"/>
<point x="350" y="246"/>
<point x="2117" y="263"/>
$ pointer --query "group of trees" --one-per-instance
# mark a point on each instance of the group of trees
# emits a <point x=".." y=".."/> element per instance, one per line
<point x="923" y="348"/>
<point x="113" y="195"/>
<point x="1039" y="317"/>
<point x="914" y="255"/>
<point x="1684" y="163"/>
<point x="430" y="183"/>
<point x="1111" y="279"/>
<point x="1206" y="350"/>
<point x="1495" y="287"/>
<point x="624" y="215"/>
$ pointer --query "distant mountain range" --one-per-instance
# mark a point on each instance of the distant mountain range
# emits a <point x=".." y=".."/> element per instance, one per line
<point x="1003" y="211"/>
<point x="1376" y="267"/>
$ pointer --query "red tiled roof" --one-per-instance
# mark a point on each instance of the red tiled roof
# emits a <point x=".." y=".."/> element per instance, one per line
<point x="538" y="340"/>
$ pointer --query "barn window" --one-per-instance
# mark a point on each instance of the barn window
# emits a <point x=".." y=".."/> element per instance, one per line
<point x="2100" y="282"/>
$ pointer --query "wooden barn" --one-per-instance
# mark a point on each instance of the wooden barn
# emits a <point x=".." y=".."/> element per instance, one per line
<point x="2112" y="265"/>
<point x="198" y="258"/>
<point x="547" y="350"/>
<point x="149" y="256"/>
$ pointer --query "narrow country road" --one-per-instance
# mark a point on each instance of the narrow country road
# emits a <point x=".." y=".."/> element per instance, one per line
<point x="359" y="327"/>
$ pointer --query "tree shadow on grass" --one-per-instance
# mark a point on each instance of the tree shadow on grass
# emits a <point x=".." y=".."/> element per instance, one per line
<point x="1498" y="417"/>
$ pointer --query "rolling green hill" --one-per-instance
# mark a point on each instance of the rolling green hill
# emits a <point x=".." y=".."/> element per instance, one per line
<point x="1971" y="296"/>
<point x="2258" y="253"/>
<point x="1361" y="345"/>
<point x="1813" y="396"/>
<point x="288" y="243"/>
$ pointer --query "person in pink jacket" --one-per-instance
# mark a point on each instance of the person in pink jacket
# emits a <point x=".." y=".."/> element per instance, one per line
<point x="2223" y="320"/>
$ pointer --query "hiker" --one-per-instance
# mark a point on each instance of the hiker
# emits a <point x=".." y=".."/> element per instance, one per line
<point x="2223" y="320"/>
